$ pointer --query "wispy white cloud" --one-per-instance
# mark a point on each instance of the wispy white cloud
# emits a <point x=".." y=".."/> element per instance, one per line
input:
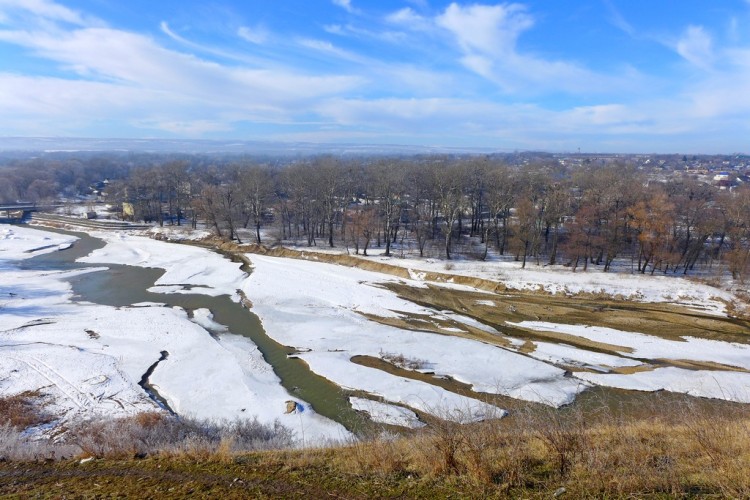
<point x="388" y="36"/>
<point x="257" y="35"/>
<point x="618" y="20"/>
<point x="484" y="29"/>
<point x="334" y="29"/>
<point x="696" y="47"/>
<point x="47" y="9"/>
<point x="345" y="4"/>
<point x="206" y="49"/>
<point x="733" y="29"/>
<point x="330" y="49"/>
<point x="722" y="93"/>
<point x="164" y="27"/>
<point x="487" y="36"/>
<point x="407" y="16"/>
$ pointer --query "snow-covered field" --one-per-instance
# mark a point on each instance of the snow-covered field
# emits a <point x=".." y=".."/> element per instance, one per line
<point x="561" y="280"/>
<point x="319" y="308"/>
<point x="87" y="359"/>
<point x="720" y="384"/>
<point x="188" y="269"/>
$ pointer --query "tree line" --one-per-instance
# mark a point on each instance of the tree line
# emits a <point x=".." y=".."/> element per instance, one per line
<point x="469" y="207"/>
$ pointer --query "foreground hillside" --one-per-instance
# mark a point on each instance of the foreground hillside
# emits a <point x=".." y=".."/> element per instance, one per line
<point x="675" y="448"/>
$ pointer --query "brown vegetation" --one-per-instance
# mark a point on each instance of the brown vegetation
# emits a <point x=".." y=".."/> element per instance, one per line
<point x="674" y="447"/>
<point x="139" y="436"/>
<point x="20" y="411"/>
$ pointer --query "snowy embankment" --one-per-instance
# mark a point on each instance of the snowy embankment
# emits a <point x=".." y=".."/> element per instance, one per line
<point x="319" y="309"/>
<point x="387" y="414"/>
<point x="562" y="280"/>
<point x="187" y="269"/>
<point x="86" y="360"/>
<point x="719" y="384"/>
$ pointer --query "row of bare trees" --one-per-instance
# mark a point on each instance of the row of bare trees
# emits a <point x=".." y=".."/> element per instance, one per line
<point x="547" y="214"/>
<point x="470" y="207"/>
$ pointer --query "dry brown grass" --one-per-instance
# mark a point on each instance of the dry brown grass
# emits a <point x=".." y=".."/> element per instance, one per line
<point x="681" y="450"/>
<point x="672" y="446"/>
<point x="402" y="361"/>
<point x="21" y="411"/>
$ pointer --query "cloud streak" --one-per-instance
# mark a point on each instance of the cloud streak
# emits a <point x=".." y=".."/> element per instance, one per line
<point x="460" y="74"/>
<point x="696" y="47"/>
<point x="46" y="9"/>
<point x="345" y="4"/>
<point x="257" y="35"/>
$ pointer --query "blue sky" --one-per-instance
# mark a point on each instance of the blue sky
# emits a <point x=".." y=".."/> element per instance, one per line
<point x="599" y="75"/>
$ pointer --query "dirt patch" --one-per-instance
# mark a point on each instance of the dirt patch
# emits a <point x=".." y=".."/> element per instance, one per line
<point x="431" y="324"/>
<point x="580" y="342"/>
<point x="701" y="365"/>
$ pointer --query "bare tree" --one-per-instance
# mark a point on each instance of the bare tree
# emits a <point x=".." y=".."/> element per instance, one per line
<point x="652" y="220"/>
<point x="257" y="191"/>
<point x="178" y="188"/>
<point x="500" y="197"/>
<point x="449" y="183"/>
<point x="738" y="253"/>
<point x="388" y="180"/>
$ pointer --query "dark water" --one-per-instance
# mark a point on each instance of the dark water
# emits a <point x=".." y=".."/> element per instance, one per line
<point x="122" y="285"/>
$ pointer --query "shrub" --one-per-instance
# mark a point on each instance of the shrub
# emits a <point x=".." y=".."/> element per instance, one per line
<point x="154" y="433"/>
<point x="402" y="361"/>
<point x="21" y="412"/>
<point x="16" y="445"/>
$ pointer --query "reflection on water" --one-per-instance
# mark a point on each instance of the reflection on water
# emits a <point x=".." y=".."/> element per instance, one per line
<point x="122" y="285"/>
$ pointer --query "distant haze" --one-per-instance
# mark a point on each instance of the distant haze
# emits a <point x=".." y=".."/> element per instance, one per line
<point x="63" y="145"/>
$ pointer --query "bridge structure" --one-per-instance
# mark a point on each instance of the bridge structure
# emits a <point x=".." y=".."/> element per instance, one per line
<point x="15" y="213"/>
<point x="20" y="213"/>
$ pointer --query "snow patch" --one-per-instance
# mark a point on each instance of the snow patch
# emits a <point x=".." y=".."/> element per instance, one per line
<point x="384" y="413"/>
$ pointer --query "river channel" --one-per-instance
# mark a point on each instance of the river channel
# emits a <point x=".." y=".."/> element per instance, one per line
<point x="122" y="285"/>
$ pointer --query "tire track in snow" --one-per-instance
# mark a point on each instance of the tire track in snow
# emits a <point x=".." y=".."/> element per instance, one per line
<point x="73" y="393"/>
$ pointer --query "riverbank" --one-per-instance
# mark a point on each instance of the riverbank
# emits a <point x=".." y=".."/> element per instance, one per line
<point x="494" y="338"/>
<point x="428" y="344"/>
<point x="85" y="360"/>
